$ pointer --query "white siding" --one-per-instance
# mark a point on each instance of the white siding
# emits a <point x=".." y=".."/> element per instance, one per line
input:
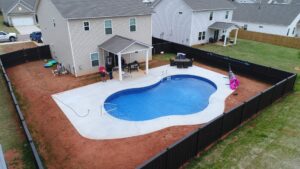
<point x="298" y="30"/>
<point x="265" y="28"/>
<point x="57" y="37"/>
<point x="294" y="25"/>
<point x="272" y="29"/>
<point x="201" y="23"/>
<point x="168" y="24"/>
<point x="86" y="42"/>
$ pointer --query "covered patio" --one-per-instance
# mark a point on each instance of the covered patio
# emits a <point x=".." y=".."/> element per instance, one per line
<point x="122" y="53"/>
<point x="224" y="29"/>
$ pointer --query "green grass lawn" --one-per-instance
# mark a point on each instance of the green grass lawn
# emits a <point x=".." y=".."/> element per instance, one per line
<point x="12" y="138"/>
<point x="6" y="28"/>
<point x="272" y="140"/>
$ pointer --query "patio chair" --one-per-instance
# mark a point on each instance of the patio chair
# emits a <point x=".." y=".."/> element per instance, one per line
<point x="134" y="66"/>
<point x="172" y="62"/>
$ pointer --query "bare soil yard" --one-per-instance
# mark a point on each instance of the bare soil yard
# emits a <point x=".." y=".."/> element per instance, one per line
<point x="60" y="144"/>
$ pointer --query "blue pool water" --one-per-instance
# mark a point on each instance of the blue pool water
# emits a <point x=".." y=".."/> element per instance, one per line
<point x="174" y="95"/>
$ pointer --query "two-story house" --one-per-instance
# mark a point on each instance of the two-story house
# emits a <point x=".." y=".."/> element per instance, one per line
<point x="84" y="35"/>
<point x="277" y="19"/>
<point x="192" y="22"/>
<point x="18" y="12"/>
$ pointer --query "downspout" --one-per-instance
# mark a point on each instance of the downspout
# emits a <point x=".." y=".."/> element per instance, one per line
<point x="72" y="51"/>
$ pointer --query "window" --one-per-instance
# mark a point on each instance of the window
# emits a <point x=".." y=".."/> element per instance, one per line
<point x="53" y="21"/>
<point x="227" y="15"/>
<point x="288" y="32"/>
<point x="245" y="27"/>
<point x="203" y="35"/>
<point x="95" y="59"/>
<point x="211" y="15"/>
<point x="180" y="13"/>
<point x="86" y="26"/>
<point x="108" y="27"/>
<point x="132" y="24"/>
<point x="200" y="36"/>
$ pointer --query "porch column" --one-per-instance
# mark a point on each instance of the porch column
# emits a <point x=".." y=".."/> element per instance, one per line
<point x="147" y="61"/>
<point x="225" y="39"/>
<point x="120" y="66"/>
<point x="236" y="35"/>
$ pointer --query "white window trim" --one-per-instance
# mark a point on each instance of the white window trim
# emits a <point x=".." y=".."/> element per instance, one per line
<point x="111" y="26"/>
<point x="92" y="60"/>
<point x="84" y="26"/>
<point x="135" y="24"/>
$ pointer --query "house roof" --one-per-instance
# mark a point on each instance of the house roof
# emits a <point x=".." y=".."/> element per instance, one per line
<point x="203" y="5"/>
<point x="266" y="13"/>
<point x="118" y="43"/>
<point x="80" y="9"/>
<point x="222" y="25"/>
<point x="7" y="5"/>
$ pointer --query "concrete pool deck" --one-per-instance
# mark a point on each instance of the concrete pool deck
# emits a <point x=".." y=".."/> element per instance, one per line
<point x="84" y="106"/>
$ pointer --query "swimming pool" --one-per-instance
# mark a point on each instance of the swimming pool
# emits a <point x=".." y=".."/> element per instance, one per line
<point x="173" y="95"/>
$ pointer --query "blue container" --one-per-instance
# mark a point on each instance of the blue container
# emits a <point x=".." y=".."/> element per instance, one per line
<point x="36" y="36"/>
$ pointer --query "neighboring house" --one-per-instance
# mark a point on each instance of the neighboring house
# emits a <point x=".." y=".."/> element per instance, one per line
<point x="19" y="12"/>
<point x="245" y="1"/>
<point x="265" y="1"/>
<point x="84" y="35"/>
<point x="268" y="18"/>
<point x="192" y="22"/>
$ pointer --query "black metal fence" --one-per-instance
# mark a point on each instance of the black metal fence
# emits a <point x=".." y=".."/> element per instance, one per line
<point x="15" y="58"/>
<point x="179" y="153"/>
<point x="25" y="55"/>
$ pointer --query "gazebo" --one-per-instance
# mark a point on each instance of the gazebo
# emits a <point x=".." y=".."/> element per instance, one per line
<point x="225" y="28"/>
<point x="120" y="46"/>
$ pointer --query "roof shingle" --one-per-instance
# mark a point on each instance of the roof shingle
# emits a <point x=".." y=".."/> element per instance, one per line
<point x="266" y="13"/>
<point x="203" y="5"/>
<point x="79" y="9"/>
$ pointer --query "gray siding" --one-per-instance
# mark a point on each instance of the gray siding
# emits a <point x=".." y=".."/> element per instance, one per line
<point x="57" y="37"/>
<point x="168" y="24"/>
<point x="86" y="42"/>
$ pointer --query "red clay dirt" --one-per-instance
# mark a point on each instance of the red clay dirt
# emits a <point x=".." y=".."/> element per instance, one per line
<point x="60" y="144"/>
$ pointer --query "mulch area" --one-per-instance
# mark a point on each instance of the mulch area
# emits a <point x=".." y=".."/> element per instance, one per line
<point x="61" y="145"/>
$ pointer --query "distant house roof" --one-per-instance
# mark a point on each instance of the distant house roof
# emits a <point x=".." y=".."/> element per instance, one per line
<point x="266" y="13"/>
<point x="118" y="43"/>
<point x="7" y="5"/>
<point x="203" y="5"/>
<point x="80" y="9"/>
<point x="222" y="25"/>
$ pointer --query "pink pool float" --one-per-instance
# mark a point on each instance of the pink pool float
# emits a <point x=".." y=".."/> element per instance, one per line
<point x="233" y="81"/>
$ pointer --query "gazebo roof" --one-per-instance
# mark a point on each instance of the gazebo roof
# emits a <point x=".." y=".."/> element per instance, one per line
<point x="117" y="44"/>
<point x="222" y="25"/>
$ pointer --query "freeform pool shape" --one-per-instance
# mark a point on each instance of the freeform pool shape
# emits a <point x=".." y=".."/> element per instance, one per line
<point x="173" y="95"/>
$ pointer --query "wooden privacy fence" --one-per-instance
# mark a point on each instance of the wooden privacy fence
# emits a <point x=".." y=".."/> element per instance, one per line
<point x="197" y="141"/>
<point x="290" y="42"/>
<point x="15" y="58"/>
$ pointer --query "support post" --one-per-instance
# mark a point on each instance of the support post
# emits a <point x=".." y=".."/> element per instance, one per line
<point x="236" y="35"/>
<point x="147" y="61"/>
<point x="225" y="39"/>
<point x="120" y="66"/>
